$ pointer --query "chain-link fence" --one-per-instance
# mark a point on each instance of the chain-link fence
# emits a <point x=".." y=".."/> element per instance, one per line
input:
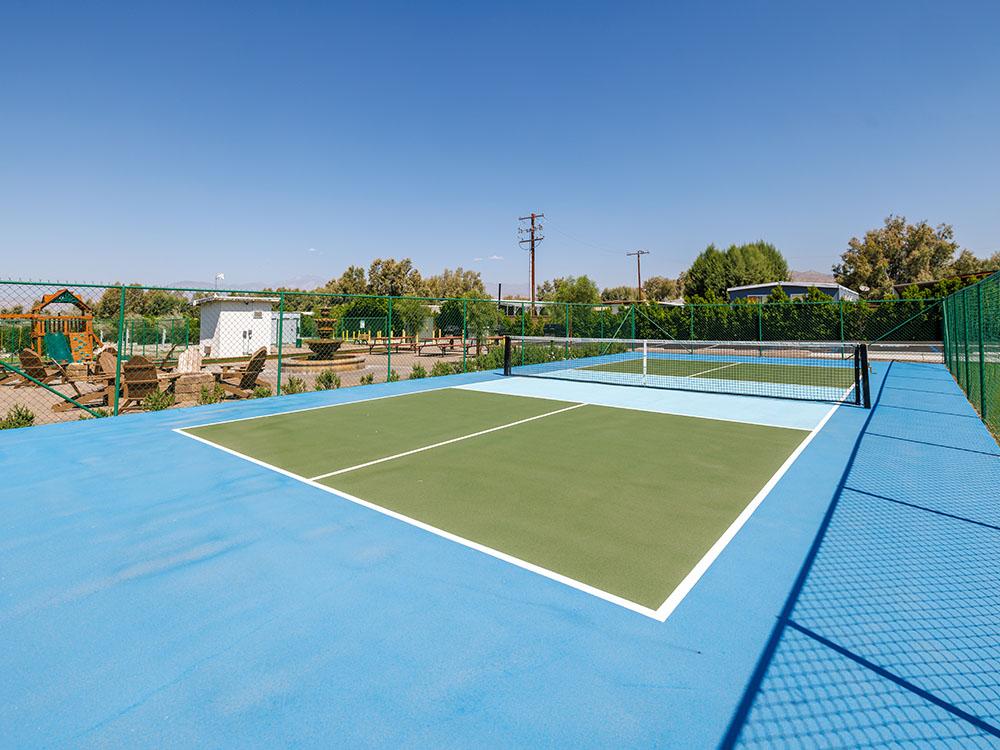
<point x="972" y="346"/>
<point x="72" y="351"/>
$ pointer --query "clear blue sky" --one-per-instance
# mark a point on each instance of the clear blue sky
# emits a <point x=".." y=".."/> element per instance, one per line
<point x="166" y="142"/>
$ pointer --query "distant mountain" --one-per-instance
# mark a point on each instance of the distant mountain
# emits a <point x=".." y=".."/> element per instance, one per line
<point x="812" y="276"/>
<point x="307" y="283"/>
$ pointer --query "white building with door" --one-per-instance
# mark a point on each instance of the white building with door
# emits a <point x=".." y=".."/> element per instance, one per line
<point x="233" y="326"/>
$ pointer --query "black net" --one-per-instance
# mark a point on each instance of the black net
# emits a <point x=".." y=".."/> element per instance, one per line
<point x="810" y="371"/>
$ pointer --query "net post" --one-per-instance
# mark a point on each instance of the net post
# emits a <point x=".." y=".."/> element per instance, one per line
<point x="506" y="355"/>
<point x="865" y="384"/>
<point x="645" y="355"/>
<point x="857" y="375"/>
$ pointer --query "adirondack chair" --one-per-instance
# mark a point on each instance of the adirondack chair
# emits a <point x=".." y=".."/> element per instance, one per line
<point x="139" y="379"/>
<point x="35" y="367"/>
<point x="240" y="381"/>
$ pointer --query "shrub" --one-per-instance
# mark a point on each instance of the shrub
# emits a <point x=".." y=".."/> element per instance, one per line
<point x="418" y="372"/>
<point x="367" y="379"/>
<point x="212" y="395"/>
<point x="261" y="391"/>
<point x="158" y="401"/>
<point x="294" y="385"/>
<point x="327" y="380"/>
<point x="98" y="414"/>
<point x="393" y="377"/>
<point x="444" y="368"/>
<point x="18" y="416"/>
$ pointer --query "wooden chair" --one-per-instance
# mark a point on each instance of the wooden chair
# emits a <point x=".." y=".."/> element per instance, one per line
<point x="34" y="366"/>
<point x="139" y="379"/>
<point x="240" y="381"/>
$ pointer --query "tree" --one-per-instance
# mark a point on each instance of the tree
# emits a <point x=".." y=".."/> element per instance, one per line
<point x="158" y="302"/>
<point x="454" y="283"/>
<point x="351" y="281"/>
<point x="570" y="289"/>
<point x="754" y="263"/>
<point x="707" y="278"/>
<point x="896" y="253"/>
<point x="658" y="288"/>
<point x="967" y="263"/>
<point x="409" y="315"/>
<point x="618" y="293"/>
<point x="394" y="277"/>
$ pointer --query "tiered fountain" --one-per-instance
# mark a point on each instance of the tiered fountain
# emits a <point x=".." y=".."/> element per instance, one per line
<point x="324" y="349"/>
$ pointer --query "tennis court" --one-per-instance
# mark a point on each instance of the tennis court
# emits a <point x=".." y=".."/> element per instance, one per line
<point x="543" y="558"/>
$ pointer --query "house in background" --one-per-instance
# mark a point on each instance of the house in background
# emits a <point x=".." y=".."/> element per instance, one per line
<point x="794" y="289"/>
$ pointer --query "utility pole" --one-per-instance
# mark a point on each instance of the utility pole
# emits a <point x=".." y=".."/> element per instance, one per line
<point x="638" y="267"/>
<point x="531" y="235"/>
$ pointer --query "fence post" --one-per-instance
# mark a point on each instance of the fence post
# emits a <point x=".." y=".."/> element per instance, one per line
<point x="760" y="321"/>
<point x="118" y="359"/>
<point x="569" y="326"/>
<point x="465" y="331"/>
<point x="281" y="337"/>
<point x="631" y="311"/>
<point x="691" y="336"/>
<point x="982" y="355"/>
<point x="840" y="304"/>
<point x="945" y="335"/>
<point x="388" y="344"/>
<point x="965" y="324"/>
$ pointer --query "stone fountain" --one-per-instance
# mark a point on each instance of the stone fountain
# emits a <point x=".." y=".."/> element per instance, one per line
<point x="324" y="349"/>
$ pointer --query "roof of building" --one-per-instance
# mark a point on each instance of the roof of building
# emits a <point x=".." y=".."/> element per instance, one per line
<point x="233" y="298"/>
<point x="807" y="284"/>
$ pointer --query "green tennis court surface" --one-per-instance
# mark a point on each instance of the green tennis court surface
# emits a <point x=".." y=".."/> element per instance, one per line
<point x="620" y="500"/>
<point x="734" y="369"/>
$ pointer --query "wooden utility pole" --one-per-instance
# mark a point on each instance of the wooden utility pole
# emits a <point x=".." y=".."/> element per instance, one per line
<point x="638" y="267"/>
<point x="531" y="235"/>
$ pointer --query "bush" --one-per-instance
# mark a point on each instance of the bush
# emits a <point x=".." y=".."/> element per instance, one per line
<point x="261" y="391"/>
<point x="445" y="368"/>
<point x="327" y="380"/>
<point x="393" y="377"/>
<point x="294" y="385"/>
<point x="158" y="401"/>
<point x="18" y="416"/>
<point x="98" y="414"/>
<point x="212" y="395"/>
<point x="367" y="379"/>
<point x="418" y="372"/>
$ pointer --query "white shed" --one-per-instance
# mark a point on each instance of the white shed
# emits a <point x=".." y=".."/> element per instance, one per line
<point x="234" y="326"/>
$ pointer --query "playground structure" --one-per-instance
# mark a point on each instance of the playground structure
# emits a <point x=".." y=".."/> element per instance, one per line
<point x="60" y="336"/>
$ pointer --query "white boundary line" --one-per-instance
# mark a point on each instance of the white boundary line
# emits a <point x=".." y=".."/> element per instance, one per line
<point x="321" y="406"/>
<point x="524" y="564"/>
<point x="444" y="442"/>
<point x="660" y="614"/>
<point x="685" y="586"/>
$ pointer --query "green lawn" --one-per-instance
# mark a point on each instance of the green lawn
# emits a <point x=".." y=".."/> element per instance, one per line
<point x="760" y="372"/>
<point x="625" y="501"/>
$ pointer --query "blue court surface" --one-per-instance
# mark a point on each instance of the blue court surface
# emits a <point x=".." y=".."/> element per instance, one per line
<point x="158" y="591"/>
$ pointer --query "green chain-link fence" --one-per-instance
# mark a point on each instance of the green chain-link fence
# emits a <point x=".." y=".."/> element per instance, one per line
<point x="71" y="351"/>
<point x="972" y="346"/>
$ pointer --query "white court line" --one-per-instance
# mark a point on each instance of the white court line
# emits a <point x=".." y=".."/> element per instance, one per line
<point x="685" y="586"/>
<point x="660" y="614"/>
<point x="444" y="442"/>
<point x="516" y="561"/>
<point x="723" y="367"/>
<point x="321" y="406"/>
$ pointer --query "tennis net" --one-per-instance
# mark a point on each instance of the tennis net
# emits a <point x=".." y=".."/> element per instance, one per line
<point x="811" y="371"/>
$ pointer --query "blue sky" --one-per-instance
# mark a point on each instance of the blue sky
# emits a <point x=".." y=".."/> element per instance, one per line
<point x="167" y="142"/>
